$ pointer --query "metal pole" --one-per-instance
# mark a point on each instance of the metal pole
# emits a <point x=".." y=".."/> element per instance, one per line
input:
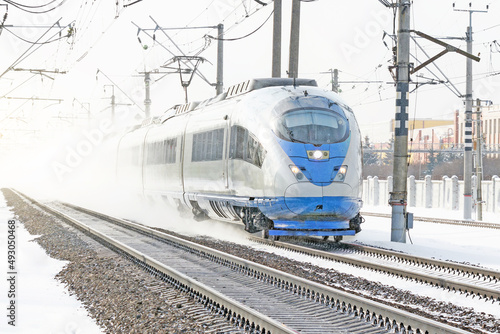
<point x="468" y="118"/>
<point x="479" y="162"/>
<point x="468" y="128"/>
<point x="276" y="70"/>
<point x="335" y="83"/>
<point x="293" y="63"/>
<point x="147" y="101"/>
<point x="398" y="196"/>
<point x="220" y="60"/>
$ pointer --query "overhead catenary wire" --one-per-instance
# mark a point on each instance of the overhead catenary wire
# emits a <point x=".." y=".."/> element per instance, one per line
<point x="27" y="8"/>
<point x="247" y="15"/>
<point x="14" y="3"/>
<point x="13" y="111"/>
<point x="242" y="37"/>
<point x="69" y="34"/>
<point x="169" y="51"/>
<point x="121" y="90"/>
<point x="180" y="50"/>
<point x="24" y="54"/>
<point x="131" y="3"/>
<point x="22" y="83"/>
<point x="4" y="17"/>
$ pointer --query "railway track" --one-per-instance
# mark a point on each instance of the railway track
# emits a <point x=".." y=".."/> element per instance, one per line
<point x="473" y="281"/>
<point x="460" y="222"/>
<point x="253" y="297"/>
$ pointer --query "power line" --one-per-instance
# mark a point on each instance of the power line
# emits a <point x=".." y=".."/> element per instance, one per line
<point x="121" y="90"/>
<point x="496" y="25"/>
<point x="22" y="83"/>
<point x="242" y="37"/>
<point x="25" y="7"/>
<point x="69" y="34"/>
<point x="20" y="58"/>
<point x="153" y="37"/>
<point x="132" y="3"/>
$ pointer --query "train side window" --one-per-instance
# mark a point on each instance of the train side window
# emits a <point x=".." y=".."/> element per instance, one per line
<point x="208" y="145"/>
<point x="161" y="152"/>
<point x="246" y="147"/>
<point x="238" y="146"/>
<point x="170" y="148"/>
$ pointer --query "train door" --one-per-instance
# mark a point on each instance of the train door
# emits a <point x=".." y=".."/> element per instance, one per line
<point x="204" y="163"/>
<point x="226" y="151"/>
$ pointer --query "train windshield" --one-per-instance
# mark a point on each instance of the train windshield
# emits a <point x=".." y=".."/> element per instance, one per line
<point x="312" y="126"/>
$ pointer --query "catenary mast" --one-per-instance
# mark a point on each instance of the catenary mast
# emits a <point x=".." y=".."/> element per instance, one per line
<point x="398" y="196"/>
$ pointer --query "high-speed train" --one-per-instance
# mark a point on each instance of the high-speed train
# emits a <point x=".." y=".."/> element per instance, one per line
<point x="280" y="156"/>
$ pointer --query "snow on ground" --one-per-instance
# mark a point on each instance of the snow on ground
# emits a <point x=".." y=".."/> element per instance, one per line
<point x="477" y="246"/>
<point x="42" y="304"/>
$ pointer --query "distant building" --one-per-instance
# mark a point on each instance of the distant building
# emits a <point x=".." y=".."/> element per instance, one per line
<point x="427" y="135"/>
<point x="490" y="127"/>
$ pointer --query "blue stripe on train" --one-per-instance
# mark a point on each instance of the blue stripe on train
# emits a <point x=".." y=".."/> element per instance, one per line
<point x="310" y="233"/>
<point x="311" y="224"/>
<point x="328" y="208"/>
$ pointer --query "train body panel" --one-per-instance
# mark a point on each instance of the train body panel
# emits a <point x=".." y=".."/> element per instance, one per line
<point x="280" y="158"/>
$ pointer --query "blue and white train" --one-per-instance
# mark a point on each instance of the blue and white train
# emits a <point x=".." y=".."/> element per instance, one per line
<point x="278" y="155"/>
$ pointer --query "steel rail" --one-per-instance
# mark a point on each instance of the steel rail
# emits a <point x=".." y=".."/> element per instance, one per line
<point x="369" y="310"/>
<point x="460" y="222"/>
<point x="187" y="283"/>
<point x="462" y="269"/>
<point x="451" y="285"/>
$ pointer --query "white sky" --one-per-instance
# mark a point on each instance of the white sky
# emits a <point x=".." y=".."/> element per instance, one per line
<point x="344" y="35"/>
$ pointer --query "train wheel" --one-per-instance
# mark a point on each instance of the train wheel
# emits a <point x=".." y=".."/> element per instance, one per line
<point x="338" y="238"/>
<point x="325" y="237"/>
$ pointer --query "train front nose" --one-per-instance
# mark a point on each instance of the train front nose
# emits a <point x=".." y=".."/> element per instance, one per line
<point x="330" y="200"/>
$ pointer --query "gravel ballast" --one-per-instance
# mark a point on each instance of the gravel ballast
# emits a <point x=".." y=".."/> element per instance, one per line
<point x="124" y="299"/>
<point x="120" y="296"/>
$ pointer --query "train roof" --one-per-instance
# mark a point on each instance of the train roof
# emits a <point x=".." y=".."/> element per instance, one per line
<point x="243" y="88"/>
<point x="233" y="91"/>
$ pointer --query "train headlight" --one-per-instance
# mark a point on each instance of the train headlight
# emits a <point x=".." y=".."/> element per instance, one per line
<point x="341" y="173"/>
<point x="318" y="155"/>
<point x="297" y="172"/>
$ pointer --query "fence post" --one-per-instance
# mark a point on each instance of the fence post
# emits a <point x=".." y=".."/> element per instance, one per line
<point x="376" y="191"/>
<point x="412" y="191"/>
<point x="428" y="191"/>
<point x="495" y="200"/>
<point x="474" y="192"/>
<point x="389" y="186"/>
<point x="369" y="197"/>
<point x="454" y="192"/>
<point x="444" y="195"/>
